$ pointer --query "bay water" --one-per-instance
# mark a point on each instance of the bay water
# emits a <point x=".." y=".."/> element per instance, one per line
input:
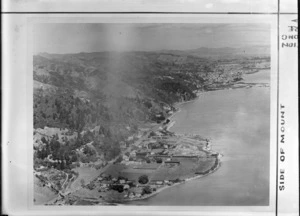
<point x="237" y="121"/>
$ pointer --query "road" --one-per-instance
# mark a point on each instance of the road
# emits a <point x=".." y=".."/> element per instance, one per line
<point x="65" y="181"/>
<point x="61" y="194"/>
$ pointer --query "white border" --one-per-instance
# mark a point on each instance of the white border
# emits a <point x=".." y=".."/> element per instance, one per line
<point x="19" y="111"/>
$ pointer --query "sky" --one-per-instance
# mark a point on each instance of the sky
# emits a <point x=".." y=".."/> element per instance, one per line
<point x="98" y="37"/>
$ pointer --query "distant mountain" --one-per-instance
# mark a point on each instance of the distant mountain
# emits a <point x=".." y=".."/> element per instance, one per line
<point x="228" y="52"/>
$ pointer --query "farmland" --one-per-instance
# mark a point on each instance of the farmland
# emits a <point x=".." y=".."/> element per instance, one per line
<point x="158" y="161"/>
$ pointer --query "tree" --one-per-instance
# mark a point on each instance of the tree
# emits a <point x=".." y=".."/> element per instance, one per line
<point x="119" y="160"/>
<point x="147" y="190"/>
<point x="152" y="133"/>
<point x="158" y="160"/>
<point x="44" y="140"/>
<point x="143" y="179"/>
<point x="119" y="188"/>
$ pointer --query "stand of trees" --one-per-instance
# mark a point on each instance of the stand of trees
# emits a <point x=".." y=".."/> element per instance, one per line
<point x="143" y="179"/>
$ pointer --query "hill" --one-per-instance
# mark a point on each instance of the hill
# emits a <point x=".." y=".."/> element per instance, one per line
<point x="107" y="97"/>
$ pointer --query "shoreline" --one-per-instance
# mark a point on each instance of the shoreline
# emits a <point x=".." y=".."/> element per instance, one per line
<point x="175" y="184"/>
<point x="230" y="86"/>
<point x="208" y="150"/>
<point x="168" y="127"/>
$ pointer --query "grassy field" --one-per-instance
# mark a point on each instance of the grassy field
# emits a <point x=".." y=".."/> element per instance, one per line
<point x="134" y="174"/>
<point x="115" y="169"/>
<point x="156" y="172"/>
<point x="42" y="194"/>
<point x="205" y="164"/>
<point x="186" y="169"/>
<point x="85" y="173"/>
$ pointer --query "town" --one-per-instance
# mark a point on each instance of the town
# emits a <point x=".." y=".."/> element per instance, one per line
<point x="158" y="160"/>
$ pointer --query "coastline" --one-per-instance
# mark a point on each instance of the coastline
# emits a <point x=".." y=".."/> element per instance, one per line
<point x="167" y="127"/>
<point x="230" y="86"/>
<point x="207" y="150"/>
<point x="215" y="168"/>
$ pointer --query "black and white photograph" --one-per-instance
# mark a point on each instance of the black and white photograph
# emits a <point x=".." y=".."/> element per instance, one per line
<point x="151" y="114"/>
<point x="174" y="107"/>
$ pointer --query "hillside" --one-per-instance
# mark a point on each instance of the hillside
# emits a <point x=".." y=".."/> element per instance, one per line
<point x="90" y="106"/>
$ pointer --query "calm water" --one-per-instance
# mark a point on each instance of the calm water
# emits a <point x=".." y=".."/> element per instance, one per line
<point x="237" y="121"/>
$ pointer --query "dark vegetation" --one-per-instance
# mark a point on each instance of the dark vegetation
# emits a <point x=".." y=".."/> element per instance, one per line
<point x="143" y="179"/>
<point x="115" y="92"/>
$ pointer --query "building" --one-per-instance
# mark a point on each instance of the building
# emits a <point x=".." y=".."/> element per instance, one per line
<point x="125" y="158"/>
<point x="133" y="153"/>
<point x="172" y="162"/>
<point x="142" y="153"/>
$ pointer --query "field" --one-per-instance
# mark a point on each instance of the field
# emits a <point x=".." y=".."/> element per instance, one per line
<point x="159" y="172"/>
<point x="86" y="174"/>
<point x="42" y="194"/>
<point x="115" y="169"/>
<point x="134" y="174"/>
<point x="205" y="164"/>
<point x="186" y="169"/>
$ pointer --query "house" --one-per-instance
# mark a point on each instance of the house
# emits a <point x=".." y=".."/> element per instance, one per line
<point x="169" y="183"/>
<point x="133" y="153"/>
<point x="126" y="187"/>
<point x="159" y="117"/>
<point x="159" y="182"/>
<point x="142" y="153"/>
<point x="167" y="121"/>
<point x="114" y="179"/>
<point x="166" y="108"/>
<point x="170" y="112"/>
<point x="125" y="158"/>
<point x="129" y="183"/>
<point x="157" y="151"/>
<point x="122" y="181"/>
<point x="172" y="162"/>
<point x="41" y="167"/>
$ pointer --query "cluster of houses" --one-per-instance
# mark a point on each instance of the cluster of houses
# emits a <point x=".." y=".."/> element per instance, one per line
<point x="149" y="152"/>
<point x="106" y="181"/>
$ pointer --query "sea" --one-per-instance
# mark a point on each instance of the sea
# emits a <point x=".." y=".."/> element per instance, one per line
<point x="237" y="121"/>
